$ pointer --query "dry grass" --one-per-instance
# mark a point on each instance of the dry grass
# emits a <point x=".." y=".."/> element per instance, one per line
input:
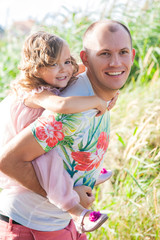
<point x="132" y="197"/>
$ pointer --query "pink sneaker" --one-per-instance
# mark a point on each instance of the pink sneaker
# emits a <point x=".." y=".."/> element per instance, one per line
<point x="104" y="176"/>
<point x="96" y="219"/>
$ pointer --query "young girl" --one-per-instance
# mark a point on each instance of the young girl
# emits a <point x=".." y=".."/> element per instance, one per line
<point x="46" y="69"/>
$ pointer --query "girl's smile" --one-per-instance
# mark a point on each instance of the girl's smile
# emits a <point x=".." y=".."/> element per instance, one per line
<point x="59" y="74"/>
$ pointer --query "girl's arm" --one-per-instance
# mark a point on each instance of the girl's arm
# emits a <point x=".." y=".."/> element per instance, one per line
<point x="66" y="105"/>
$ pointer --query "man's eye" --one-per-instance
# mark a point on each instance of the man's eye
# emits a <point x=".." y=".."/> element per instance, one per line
<point x="124" y="52"/>
<point x="105" y="53"/>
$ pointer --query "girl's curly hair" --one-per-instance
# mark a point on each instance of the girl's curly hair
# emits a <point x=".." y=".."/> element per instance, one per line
<point x="40" y="49"/>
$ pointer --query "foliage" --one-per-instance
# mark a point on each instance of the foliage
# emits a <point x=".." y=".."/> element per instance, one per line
<point x="10" y="58"/>
<point x="145" y="30"/>
<point x="132" y="197"/>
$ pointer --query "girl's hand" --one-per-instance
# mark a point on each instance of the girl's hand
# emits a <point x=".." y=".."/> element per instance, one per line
<point x="102" y="107"/>
<point x="113" y="101"/>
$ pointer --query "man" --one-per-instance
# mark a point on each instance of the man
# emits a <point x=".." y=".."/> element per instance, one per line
<point x="108" y="57"/>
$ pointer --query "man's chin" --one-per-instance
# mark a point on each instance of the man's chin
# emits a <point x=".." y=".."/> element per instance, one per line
<point x="118" y="86"/>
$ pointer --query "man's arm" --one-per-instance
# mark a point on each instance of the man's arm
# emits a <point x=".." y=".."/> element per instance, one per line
<point x="15" y="161"/>
<point x="16" y="157"/>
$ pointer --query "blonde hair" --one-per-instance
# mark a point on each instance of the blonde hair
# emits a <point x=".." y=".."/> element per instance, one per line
<point x="40" y="49"/>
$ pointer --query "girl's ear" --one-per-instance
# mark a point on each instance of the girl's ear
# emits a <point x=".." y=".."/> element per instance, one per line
<point x="83" y="56"/>
<point x="36" y="72"/>
<point x="81" y="68"/>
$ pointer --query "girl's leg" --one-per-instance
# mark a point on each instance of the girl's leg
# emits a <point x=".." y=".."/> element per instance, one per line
<point x="86" y="220"/>
<point x="104" y="176"/>
<point x="59" y="187"/>
<point x="56" y="181"/>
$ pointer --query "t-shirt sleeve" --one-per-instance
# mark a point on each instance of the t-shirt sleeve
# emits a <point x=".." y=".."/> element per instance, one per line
<point x="54" y="129"/>
<point x="48" y="130"/>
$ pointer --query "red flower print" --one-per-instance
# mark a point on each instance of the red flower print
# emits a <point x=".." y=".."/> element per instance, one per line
<point x="49" y="131"/>
<point x="86" y="160"/>
<point x="103" y="141"/>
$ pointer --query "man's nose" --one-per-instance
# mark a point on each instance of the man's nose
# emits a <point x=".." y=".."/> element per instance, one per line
<point x="115" y="60"/>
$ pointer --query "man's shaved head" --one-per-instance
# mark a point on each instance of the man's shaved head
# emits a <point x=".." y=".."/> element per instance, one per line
<point x="108" y="55"/>
<point x="111" y="26"/>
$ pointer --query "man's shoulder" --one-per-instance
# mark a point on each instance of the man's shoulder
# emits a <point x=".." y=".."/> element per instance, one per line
<point x="80" y="87"/>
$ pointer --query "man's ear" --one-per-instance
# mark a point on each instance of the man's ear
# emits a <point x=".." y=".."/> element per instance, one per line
<point x="83" y="56"/>
<point x="133" y="54"/>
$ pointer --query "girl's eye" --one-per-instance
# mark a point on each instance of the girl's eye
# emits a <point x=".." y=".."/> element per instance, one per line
<point x="54" y="65"/>
<point x="68" y="62"/>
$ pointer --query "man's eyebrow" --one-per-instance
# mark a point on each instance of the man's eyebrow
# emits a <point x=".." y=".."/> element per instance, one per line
<point x="108" y="50"/>
<point x="125" y="48"/>
<point x="105" y="49"/>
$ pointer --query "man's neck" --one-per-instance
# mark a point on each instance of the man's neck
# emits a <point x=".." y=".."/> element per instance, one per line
<point x="106" y="93"/>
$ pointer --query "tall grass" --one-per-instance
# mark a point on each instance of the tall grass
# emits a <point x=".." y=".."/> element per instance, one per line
<point x="146" y="40"/>
<point x="132" y="197"/>
<point x="9" y="59"/>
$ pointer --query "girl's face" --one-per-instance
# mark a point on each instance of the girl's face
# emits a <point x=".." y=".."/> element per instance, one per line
<point x="61" y="72"/>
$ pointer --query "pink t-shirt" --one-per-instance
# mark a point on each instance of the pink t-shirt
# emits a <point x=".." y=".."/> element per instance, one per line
<point x="16" y="116"/>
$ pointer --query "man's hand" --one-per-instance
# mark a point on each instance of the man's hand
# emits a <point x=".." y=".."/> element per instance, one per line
<point x="85" y="194"/>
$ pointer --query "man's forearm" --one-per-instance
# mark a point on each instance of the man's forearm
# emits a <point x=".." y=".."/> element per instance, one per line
<point x="24" y="173"/>
<point x="15" y="161"/>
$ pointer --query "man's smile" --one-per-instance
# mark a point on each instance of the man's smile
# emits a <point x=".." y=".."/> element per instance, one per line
<point x="114" y="73"/>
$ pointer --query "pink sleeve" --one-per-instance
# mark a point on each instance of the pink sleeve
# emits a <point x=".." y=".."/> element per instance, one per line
<point x="24" y="94"/>
<point x="55" y="180"/>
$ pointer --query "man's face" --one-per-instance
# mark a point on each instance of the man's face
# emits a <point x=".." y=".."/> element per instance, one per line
<point x="109" y="58"/>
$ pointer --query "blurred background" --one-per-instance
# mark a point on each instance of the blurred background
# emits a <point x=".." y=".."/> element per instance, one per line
<point x="132" y="197"/>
